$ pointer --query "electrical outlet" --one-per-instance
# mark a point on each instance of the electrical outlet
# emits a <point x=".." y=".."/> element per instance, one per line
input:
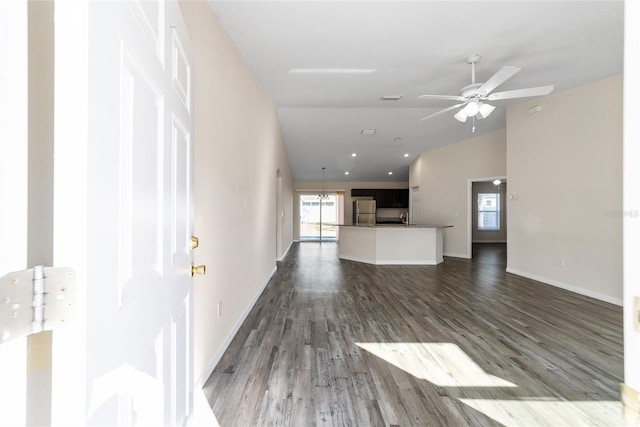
<point x="636" y="314"/>
<point x="560" y="262"/>
<point x="219" y="309"/>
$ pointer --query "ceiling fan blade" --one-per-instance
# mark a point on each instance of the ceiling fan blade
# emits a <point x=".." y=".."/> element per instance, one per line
<point x="504" y="74"/>
<point x="521" y="93"/>
<point x="443" y="97"/>
<point x="453" y="107"/>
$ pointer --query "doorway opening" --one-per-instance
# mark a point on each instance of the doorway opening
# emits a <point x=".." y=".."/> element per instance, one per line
<point x="319" y="217"/>
<point x="487" y="213"/>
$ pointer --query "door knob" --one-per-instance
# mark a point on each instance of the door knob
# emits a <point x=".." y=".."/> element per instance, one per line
<point x="194" y="242"/>
<point x="198" y="269"/>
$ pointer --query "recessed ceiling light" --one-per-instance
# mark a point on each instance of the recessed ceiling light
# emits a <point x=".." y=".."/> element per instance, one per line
<point x="390" y="97"/>
<point x="390" y="173"/>
<point x="353" y="154"/>
<point x="368" y="132"/>
<point x="346" y="173"/>
<point x="397" y="139"/>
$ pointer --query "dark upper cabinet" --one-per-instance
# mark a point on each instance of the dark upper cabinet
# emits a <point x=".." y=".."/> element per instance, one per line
<point x="363" y="192"/>
<point x="385" y="198"/>
<point x="402" y="198"/>
<point x="396" y="199"/>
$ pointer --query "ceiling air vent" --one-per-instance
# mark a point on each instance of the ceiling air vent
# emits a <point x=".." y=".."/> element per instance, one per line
<point x="390" y="97"/>
<point x="368" y="132"/>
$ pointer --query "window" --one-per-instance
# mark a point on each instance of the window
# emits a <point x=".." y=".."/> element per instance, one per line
<point x="317" y="203"/>
<point x="488" y="211"/>
<point x="317" y="223"/>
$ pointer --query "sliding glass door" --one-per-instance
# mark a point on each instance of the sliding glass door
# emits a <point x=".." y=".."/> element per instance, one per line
<point x="318" y="217"/>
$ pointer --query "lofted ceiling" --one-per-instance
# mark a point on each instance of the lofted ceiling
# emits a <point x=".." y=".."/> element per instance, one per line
<point x="326" y="64"/>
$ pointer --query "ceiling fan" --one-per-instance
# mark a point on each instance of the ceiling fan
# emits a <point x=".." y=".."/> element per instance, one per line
<point x="473" y="99"/>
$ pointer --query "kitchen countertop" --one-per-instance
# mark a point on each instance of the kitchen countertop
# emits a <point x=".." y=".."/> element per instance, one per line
<point x="398" y="226"/>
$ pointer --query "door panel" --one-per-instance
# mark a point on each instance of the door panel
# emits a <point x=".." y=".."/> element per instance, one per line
<point x="180" y="182"/>
<point x="181" y="70"/>
<point x="140" y="176"/>
<point x="150" y="16"/>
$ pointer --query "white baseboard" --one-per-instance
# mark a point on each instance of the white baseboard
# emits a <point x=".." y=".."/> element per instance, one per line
<point x="465" y="256"/>
<point x="405" y="262"/>
<point x="356" y="259"/>
<point x="489" y="241"/>
<point x="567" y="287"/>
<point x="387" y="262"/>
<point x="285" y="252"/>
<point x="216" y="357"/>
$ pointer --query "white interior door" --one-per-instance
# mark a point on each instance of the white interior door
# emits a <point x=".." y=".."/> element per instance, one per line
<point x="415" y="205"/>
<point x="123" y="208"/>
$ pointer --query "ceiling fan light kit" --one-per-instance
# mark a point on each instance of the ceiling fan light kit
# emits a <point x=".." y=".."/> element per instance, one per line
<point x="461" y="116"/>
<point x="473" y="98"/>
<point x="485" y="110"/>
<point x="479" y="110"/>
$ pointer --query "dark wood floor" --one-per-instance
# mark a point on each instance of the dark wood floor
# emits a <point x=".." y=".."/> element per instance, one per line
<point x="342" y="343"/>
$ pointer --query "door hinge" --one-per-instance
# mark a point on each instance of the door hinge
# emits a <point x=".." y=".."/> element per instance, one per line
<point x="35" y="300"/>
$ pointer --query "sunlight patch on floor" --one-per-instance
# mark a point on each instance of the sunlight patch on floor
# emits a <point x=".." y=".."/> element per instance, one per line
<point x="443" y="364"/>
<point x="536" y="411"/>
<point x="446" y="365"/>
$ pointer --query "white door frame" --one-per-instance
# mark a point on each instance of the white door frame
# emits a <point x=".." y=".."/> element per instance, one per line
<point x="470" y="182"/>
<point x="14" y="75"/>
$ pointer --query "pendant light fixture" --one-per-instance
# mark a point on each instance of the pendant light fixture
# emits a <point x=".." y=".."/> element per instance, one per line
<point x="324" y="194"/>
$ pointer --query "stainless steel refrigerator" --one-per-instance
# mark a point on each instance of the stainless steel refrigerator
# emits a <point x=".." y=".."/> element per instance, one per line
<point x="364" y="212"/>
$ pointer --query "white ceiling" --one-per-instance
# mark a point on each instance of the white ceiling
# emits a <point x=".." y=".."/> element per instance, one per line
<point x="368" y="49"/>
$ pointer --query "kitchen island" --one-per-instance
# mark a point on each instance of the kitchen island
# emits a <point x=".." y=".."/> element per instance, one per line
<point x="392" y="244"/>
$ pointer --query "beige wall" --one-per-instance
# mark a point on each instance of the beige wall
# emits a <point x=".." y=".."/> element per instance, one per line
<point x="489" y="236"/>
<point x="569" y="231"/>
<point x="631" y="194"/>
<point x="302" y="187"/>
<point x="443" y="177"/>
<point x="238" y="151"/>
